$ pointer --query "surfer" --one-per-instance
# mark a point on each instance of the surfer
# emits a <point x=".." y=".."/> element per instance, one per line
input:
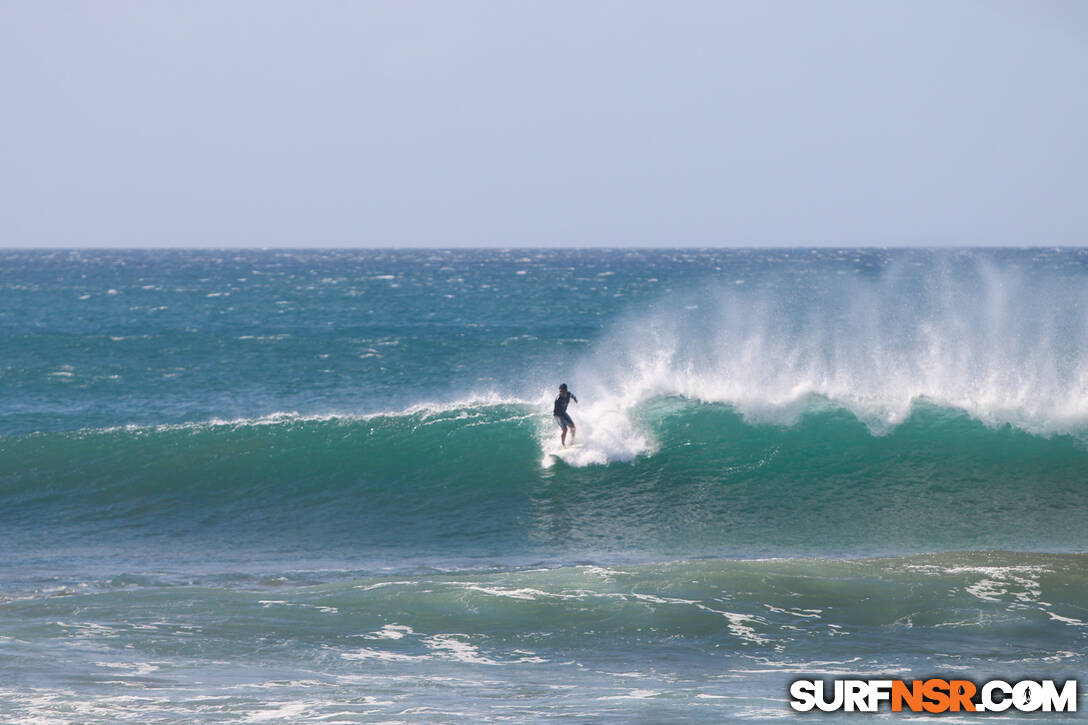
<point x="560" y="412"/>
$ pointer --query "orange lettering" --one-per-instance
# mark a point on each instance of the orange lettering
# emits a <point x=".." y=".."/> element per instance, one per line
<point x="912" y="695"/>
<point x="961" y="692"/>
<point x="937" y="692"/>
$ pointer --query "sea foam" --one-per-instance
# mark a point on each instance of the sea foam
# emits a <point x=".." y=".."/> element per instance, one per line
<point x="1005" y="345"/>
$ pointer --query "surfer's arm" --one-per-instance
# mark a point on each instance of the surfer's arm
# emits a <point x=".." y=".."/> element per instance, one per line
<point x="573" y="398"/>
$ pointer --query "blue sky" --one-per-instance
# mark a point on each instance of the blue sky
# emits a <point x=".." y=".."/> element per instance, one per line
<point x="543" y="123"/>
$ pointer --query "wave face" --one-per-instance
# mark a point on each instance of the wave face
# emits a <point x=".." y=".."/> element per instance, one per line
<point x="471" y="482"/>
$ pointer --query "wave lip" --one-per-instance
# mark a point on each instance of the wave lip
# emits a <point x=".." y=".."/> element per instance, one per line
<point x="1006" y="346"/>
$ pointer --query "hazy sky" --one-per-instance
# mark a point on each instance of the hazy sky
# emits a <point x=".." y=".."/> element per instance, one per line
<point x="447" y="123"/>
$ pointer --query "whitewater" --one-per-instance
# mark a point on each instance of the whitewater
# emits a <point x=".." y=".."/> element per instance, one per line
<point x="326" y="485"/>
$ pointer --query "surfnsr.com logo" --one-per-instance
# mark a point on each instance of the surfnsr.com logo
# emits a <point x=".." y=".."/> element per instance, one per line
<point x="933" y="695"/>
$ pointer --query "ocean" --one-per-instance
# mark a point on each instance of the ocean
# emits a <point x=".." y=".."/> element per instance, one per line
<point x="326" y="486"/>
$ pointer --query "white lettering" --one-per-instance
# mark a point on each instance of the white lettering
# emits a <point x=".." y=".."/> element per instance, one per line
<point x="803" y="693"/>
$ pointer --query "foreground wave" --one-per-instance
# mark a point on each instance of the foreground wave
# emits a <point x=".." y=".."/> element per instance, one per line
<point x="659" y="641"/>
<point x="708" y="483"/>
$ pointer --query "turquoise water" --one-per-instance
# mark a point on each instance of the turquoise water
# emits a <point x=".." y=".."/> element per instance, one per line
<point x="283" y="486"/>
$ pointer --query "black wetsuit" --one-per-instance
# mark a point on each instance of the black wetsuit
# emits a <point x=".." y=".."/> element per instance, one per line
<point x="560" y="409"/>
